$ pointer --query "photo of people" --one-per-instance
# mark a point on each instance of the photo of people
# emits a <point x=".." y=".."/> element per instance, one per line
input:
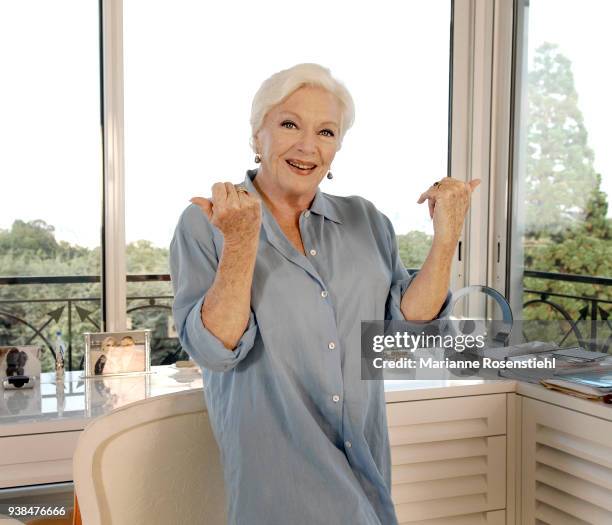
<point x="117" y="353"/>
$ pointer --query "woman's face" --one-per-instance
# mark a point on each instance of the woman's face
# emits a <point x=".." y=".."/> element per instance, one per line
<point x="299" y="139"/>
<point x="108" y="343"/>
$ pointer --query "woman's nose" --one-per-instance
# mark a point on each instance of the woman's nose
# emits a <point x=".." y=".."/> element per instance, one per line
<point x="306" y="143"/>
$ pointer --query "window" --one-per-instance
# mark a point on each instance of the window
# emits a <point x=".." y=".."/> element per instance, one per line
<point x="51" y="165"/>
<point x="565" y="164"/>
<point x="190" y="75"/>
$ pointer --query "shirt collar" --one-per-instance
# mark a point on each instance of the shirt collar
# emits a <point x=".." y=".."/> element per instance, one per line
<point x="321" y="204"/>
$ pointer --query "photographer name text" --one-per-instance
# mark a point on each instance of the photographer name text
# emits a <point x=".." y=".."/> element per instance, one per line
<point x="484" y="363"/>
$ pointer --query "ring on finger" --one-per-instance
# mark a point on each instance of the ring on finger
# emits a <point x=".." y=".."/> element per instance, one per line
<point x="240" y="188"/>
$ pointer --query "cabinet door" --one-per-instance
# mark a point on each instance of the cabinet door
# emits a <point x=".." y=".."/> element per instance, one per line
<point x="566" y="466"/>
<point x="442" y="419"/>
<point x="445" y="461"/>
<point x="37" y="458"/>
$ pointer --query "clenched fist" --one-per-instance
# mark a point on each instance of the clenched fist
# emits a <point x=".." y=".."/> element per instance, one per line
<point x="448" y="202"/>
<point x="237" y="214"/>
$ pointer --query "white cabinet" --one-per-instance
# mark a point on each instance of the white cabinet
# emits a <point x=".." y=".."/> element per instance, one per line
<point x="566" y="466"/>
<point x="449" y="460"/>
<point x="36" y="458"/>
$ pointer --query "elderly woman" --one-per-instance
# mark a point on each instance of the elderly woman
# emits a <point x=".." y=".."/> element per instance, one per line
<point x="272" y="279"/>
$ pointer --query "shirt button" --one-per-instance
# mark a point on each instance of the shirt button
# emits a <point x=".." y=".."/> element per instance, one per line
<point x="324" y="293"/>
<point x="348" y="444"/>
<point x="335" y="398"/>
<point x="307" y="213"/>
<point x="313" y="252"/>
<point x="331" y="345"/>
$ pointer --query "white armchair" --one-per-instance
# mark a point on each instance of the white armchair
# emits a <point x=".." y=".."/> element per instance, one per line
<point x="154" y="462"/>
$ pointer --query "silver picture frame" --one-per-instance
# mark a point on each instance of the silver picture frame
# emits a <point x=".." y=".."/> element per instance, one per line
<point x="123" y="353"/>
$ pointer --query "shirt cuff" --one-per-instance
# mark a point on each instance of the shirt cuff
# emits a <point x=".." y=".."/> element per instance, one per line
<point x="394" y="302"/>
<point x="394" y="311"/>
<point x="446" y="307"/>
<point x="209" y="351"/>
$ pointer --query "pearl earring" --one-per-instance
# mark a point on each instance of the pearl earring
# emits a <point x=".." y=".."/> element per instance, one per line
<point x="330" y="175"/>
<point x="257" y="158"/>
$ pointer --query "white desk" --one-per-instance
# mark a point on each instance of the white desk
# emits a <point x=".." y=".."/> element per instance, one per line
<point x="39" y="427"/>
<point x="45" y="408"/>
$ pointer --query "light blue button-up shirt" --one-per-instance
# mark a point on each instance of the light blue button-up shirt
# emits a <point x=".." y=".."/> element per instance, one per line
<point x="303" y="439"/>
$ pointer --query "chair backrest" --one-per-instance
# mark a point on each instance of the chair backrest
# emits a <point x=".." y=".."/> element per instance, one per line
<point x="153" y="462"/>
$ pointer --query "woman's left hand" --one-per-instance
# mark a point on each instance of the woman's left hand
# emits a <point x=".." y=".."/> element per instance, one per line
<point x="448" y="202"/>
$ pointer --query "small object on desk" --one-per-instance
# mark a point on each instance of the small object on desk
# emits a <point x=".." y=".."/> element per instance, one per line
<point x="20" y="362"/>
<point x="125" y="352"/>
<point x="60" y="349"/>
<point x="18" y="382"/>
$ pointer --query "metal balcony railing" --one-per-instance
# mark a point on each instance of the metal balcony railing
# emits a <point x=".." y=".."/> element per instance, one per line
<point x="593" y="312"/>
<point x="32" y="321"/>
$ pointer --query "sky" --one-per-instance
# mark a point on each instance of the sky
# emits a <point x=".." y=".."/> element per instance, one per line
<point x="190" y="74"/>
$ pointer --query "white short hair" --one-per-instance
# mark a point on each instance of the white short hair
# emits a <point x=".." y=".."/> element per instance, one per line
<point x="281" y="85"/>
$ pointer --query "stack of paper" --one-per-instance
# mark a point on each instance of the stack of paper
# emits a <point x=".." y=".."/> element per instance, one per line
<point x="590" y="383"/>
<point x="573" y="359"/>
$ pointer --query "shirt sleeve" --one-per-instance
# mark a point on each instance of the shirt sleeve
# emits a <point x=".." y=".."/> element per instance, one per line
<point x="193" y="265"/>
<point x="400" y="281"/>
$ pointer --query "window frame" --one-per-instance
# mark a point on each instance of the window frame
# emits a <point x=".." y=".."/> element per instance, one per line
<point x="114" y="301"/>
<point x="517" y="161"/>
<point x="484" y="132"/>
<point x="481" y="64"/>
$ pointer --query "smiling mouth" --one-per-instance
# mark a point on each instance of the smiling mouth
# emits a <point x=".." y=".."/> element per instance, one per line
<point x="302" y="166"/>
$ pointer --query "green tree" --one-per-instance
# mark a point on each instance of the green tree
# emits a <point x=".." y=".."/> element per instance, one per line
<point x="560" y="176"/>
<point x="34" y="238"/>
<point x="30" y="249"/>
<point x="566" y="225"/>
<point x="413" y="248"/>
<point x="144" y="257"/>
<point x="596" y="221"/>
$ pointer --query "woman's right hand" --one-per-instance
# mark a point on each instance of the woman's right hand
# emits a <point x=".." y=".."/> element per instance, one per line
<point x="237" y="214"/>
<point x="227" y="304"/>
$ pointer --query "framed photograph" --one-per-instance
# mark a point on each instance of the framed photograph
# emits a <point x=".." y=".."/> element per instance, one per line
<point x="20" y="361"/>
<point x="117" y="353"/>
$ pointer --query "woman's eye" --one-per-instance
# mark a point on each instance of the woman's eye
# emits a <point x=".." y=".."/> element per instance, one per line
<point x="328" y="132"/>
<point x="288" y="124"/>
